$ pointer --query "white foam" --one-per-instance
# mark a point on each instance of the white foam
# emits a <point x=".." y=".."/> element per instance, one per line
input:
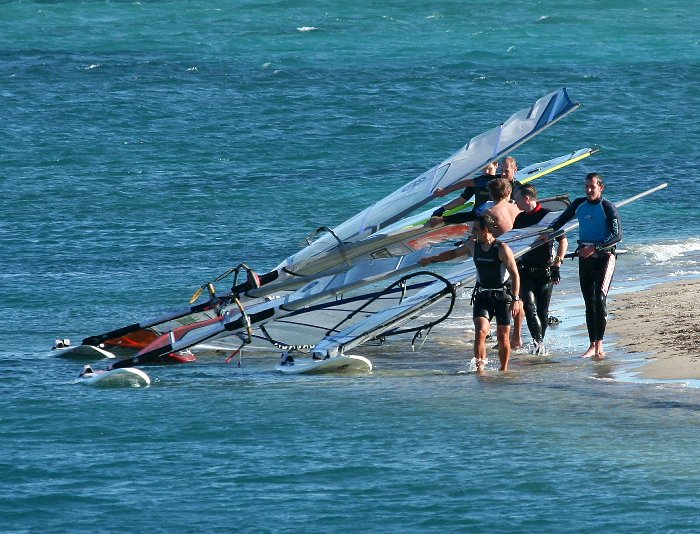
<point x="666" y="252"/>
<point x="307" y="29"/>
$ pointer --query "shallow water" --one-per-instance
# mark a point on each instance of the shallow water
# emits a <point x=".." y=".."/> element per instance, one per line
<point x="149" y="146"/>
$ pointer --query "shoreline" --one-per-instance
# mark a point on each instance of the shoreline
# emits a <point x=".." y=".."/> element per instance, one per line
<point x="662" y="324"/>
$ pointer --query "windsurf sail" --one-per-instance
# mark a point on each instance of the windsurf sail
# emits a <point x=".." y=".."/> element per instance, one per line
<point x="238" y="318"/>
<point x="242" y="318"/>
<point x="466" y="162"/>
<point x="399" y="238"/>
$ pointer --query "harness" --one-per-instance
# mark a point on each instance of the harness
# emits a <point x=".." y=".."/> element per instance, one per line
<point x="534" y="270"/>
<point x="503" y="293"/>
<point x="600" y="253"/>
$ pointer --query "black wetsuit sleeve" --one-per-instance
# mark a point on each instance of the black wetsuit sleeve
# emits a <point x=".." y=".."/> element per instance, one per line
<point x="568" y="214"/>
<point x="459" y="217"/>
<point x="525" y="220"/>
<point x="467" y="193"/>
<point x="612" y="217"/>
<point x="520" y="221"/>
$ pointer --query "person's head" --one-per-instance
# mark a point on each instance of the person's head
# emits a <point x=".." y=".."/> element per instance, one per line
<point x="508" y="168"/>
<point x="499" y="188"/>
<point x="483" y="228"/>
<point x="491" y="169"/>
<point x="525" y="197"/>
<point x="594" y="186"/>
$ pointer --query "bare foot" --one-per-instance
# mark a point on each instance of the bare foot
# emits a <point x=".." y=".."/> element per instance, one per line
<point x="590" y="352"/>
<point x="600" y="355"/>
<point x="516" y="344"/>
<point x="480" y="367"/>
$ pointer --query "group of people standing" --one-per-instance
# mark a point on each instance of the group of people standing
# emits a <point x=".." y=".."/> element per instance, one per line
<point x="521" y="289"/>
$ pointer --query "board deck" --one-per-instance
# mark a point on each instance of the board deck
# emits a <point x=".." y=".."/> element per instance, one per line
<point x="80" y="352"/>
<point x="123" y="377"/>
<point x="335" y="364"/>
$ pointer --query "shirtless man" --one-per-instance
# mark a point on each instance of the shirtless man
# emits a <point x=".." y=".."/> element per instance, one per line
<point x="503" y="211"/>
<point x="477" y="187"/>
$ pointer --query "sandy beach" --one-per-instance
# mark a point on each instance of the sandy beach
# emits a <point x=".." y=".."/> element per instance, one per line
<point x="662" y="321"/>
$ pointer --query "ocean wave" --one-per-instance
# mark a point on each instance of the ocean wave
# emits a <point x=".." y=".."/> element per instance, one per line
<point x="307" y="29"/>
<point x="684" y="273"/>
<point x="670" y="251"/>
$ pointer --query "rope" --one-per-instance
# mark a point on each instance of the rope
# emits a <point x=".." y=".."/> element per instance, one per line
<point x="323" y="228"/>
<point x="428" y="326"/>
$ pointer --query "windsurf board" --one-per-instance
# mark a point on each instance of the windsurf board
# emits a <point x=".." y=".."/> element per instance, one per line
<point x="80" y="352"/>
<point x="335" y="364"/>
<point x="123" y="377"/>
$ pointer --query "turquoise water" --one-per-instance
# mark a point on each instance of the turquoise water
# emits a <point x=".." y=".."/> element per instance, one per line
<point x="146" y="147"/>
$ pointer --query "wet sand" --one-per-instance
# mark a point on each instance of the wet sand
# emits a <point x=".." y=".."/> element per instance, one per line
<point x="664" y="322"/>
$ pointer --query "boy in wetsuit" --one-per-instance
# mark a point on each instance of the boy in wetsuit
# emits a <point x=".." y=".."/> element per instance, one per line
<point x="599" y="231"/>
<point x="475" y="187"/>
<point x="539" y="272"/>
<point x="497" y="289"/>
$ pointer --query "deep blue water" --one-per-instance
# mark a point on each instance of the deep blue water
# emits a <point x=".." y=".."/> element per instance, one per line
<point x="148" y="146"/>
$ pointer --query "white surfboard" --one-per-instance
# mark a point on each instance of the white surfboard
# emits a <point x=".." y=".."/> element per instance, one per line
<point x="79" y="352"/>
<point x="336" y="364"/>
<point x="123" y="377"/>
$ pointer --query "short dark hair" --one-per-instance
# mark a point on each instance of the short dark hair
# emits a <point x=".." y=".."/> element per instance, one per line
<point x="528" y="190"/>
<point x="595" y="176"/>
<point x="486" y="221"/>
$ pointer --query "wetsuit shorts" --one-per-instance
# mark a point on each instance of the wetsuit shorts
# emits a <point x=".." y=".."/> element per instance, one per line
<point x="492" y="303"/>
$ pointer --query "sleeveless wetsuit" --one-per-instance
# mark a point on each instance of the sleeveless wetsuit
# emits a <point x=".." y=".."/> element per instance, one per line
<point x="491" y="296"/>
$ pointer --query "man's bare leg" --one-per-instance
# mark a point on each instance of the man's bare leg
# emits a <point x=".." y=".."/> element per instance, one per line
<point x="516" y="341"/>
<point x="503" y="333"/>
<point x="481" y="329"/>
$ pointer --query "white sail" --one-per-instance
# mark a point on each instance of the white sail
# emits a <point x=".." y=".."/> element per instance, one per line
<point x="466" y="162"/>
<point x="400" y="238"/>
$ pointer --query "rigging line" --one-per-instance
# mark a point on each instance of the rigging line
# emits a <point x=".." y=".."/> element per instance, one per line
<point x="419" y="335"/>
<point x="450" y="290"/>
<point x="391" y="288"/>
<point x="210" y="287"/>
<point x="238" y="351"/>
<point x="327" y="229"/>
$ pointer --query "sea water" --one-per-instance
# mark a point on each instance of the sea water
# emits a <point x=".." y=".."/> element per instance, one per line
<point x="148" y="146"/>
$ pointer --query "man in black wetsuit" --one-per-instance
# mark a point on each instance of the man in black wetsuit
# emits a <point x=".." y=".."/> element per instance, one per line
<point x="539" y="272"/>
<point x="497" y="289"/>
<point x="599" y="231"/>
<point x="477" y="187"/>
<point x="474" y="187"/>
